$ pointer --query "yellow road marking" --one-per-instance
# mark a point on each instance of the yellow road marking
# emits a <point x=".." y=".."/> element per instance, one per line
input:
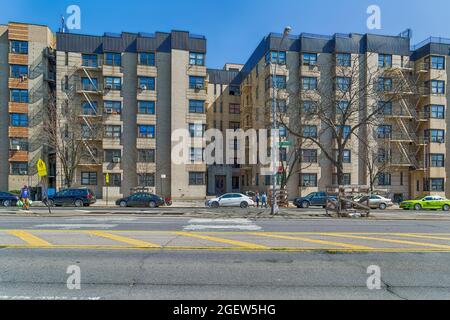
<point x="133" y="242"/>
<point x="29" y="238"/>
<point x="432" y="245"/>
<point x="331" y="243"/>
<point x="243" y="244"/>
<point x="410" y="235"/>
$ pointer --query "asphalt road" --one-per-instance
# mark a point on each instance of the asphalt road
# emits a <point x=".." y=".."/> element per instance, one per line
<point x="222" y="258"/>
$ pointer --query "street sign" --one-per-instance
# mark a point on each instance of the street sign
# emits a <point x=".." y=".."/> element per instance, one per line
<point x="107" y="178"/>
<point x="285" y="144"/>
<point x="42" y="168"/>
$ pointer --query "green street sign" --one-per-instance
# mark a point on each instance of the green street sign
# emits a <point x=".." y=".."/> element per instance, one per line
<point x="285" y="144"/>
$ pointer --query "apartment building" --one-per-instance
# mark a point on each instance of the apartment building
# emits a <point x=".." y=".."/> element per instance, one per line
<point x="26" y="85"/>
<point x="132" y="91"/>
<point x="224" y="113"/>
<point x="410" y="137"/>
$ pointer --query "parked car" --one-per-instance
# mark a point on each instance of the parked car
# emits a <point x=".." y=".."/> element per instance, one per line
<point x="315" y="199"/>
<point x="427" y="203"/>
<point x="231" y="200"/>
<point x="141" y="199"/>
<point x="78" y="197"/>
<point x="376" y="202"/>
<point x="8" y="199"/>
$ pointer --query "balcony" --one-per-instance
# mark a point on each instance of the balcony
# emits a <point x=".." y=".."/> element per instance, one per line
<point x="89" y="88"/>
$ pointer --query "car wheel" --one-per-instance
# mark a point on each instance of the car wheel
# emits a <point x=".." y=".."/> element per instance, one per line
<point x="152" y="204"/>
<point x="305" y="204"/>
<point x="299" y="207"/>
<point x="446" y="207"/>
<point x="7" y="203"/>
<point x="79" y="203"/>
<point x="383" y="206"/>
<point x="244" y="205"/>
<point x="417" y="207"/>
<point x="215" y="205"/>
<point x="123" y="204"/>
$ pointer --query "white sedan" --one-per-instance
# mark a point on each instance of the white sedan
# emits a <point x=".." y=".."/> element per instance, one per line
<point x="377" y="202"/>
<point x="231" y="200"/>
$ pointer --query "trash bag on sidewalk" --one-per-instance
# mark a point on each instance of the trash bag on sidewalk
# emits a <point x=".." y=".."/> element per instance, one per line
<point x="19" y="203"/>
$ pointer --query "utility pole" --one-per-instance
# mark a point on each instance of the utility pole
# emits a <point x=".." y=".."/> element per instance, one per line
<point x="275" y="209"/>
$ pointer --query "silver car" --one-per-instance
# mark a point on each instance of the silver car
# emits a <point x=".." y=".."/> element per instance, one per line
<point x="376" y="202"/>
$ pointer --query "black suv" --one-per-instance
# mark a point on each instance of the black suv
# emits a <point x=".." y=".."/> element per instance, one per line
<point x="315" y="199"/>
<point x="141" y="199"/>
<point x="81" y="197"/>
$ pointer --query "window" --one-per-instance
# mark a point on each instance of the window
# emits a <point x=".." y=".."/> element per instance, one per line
<point x="146" y="155"/>
<point x="146" y="107"/>
<point x="18" y="144"/>
<point x="385" y="84"/>
<point x="89" y="108"/>
<point x="196" y="178"/>
<point x="385" y="108"/>
<point x="343" y="84"/>
<point x="146" y="131"/>
<point x="436" y="184"/>
<point x="309" y="156"/>
<point x="308" y="107"/>
<point x="436" y="136"/>
<point x="283" y="154"/>
<point x="283" y="132"/>
<point x="384" y="131"/>
<point x="310" y="131"/>
<point x="437" y="160"/>
<point x="113" y="107"/>
<point x="18" y="71"/>
<point x="19" y="168"/>
<point x="147" y="59"/>
<point x="435" y="111"/>
<point x="235" y="108"/>
<point x="234" y="90"/>
<point x="147" y="83"/>
<point x="18" y="47"/>
<point x="111" y="155"/>
<point x="115" y="179"/>
<point x="280" y="82"/>
<point x="113" y="131"/>
<point x="197" y="130"/>
<point x="346" y="179"/>
<point x="113" y="59"/>
<point x="235" y="125"/>
<point x="89" y="178"/>
<point x="278" y="57"/>
<point x="18" y="120"/>
<point x="89" y="60"/>
<point x="344" y="59"/>
<point x="437" y="63"/>
<point x="384" y="179"/>
<point x="197" y="155"/>
<point x="438" y="87"/>
<point x="343" y="131"/>
<point x="385" y="60"/>
<point x="18" y="95"/>
<point x="383" y="155"/>
<point x="309" y="83"/>
<point x="342" y="107"/>
<point x="113" y="83"/>
<point x="197" y="83"/>
<point x="196" y="106"/>
<point x="346" y="156"/>
<point x="147" y="180"/>
<point x="89" y="84"/>
<point x="308" y="180"/>
<point x="196" y="59"/>
<point x="310" y="59"/>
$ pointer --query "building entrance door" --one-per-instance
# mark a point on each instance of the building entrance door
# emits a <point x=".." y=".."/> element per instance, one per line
<point x="221" y="185"/>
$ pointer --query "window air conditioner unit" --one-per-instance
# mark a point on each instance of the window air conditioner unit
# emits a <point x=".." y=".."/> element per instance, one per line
<point x="116" y="160"/>
<point x="24" y="77"/>
<point x="108" y="87"/>
<point x="17" y="148"/>
<point x="199" y="86"/>
<point x="109" y="110"/>
<point x="143" y="87"/>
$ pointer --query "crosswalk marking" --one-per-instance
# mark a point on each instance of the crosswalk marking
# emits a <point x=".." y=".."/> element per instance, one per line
<point x="410" y="235"/>
<point x="242" y="244"/>
<point x="221" y="224"/>
<point x="330" y="243"/>
<point x="133" y="242"/>
<point x="29" y="238"/>
<point x="421" y="244"/>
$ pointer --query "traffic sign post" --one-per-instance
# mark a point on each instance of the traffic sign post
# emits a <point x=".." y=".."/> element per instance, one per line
<point x="107" y="187"/>
<point x="42" y="173"/>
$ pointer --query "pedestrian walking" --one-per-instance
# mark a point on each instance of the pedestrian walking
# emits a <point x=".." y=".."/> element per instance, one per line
<point x="264" y="200"/>
<point x="257" y="199"/>
<point x="25" y="197"/>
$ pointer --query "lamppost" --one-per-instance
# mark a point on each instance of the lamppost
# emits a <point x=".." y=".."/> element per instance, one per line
<point x="275" y="208"/>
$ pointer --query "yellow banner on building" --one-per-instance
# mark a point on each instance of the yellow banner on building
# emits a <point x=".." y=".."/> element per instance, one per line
<point x="42" y="168"/>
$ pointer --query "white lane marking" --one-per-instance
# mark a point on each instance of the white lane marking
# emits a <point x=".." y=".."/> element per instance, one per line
<point x="76" y="226"/>
<point x="47" y="298"/>
<point x="83" y="211"/>
<point x="222" y="224"/>
<point x="101" y="219"/>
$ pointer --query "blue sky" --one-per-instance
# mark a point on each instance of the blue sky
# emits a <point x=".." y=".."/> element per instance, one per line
<point x="235" y="27"/>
